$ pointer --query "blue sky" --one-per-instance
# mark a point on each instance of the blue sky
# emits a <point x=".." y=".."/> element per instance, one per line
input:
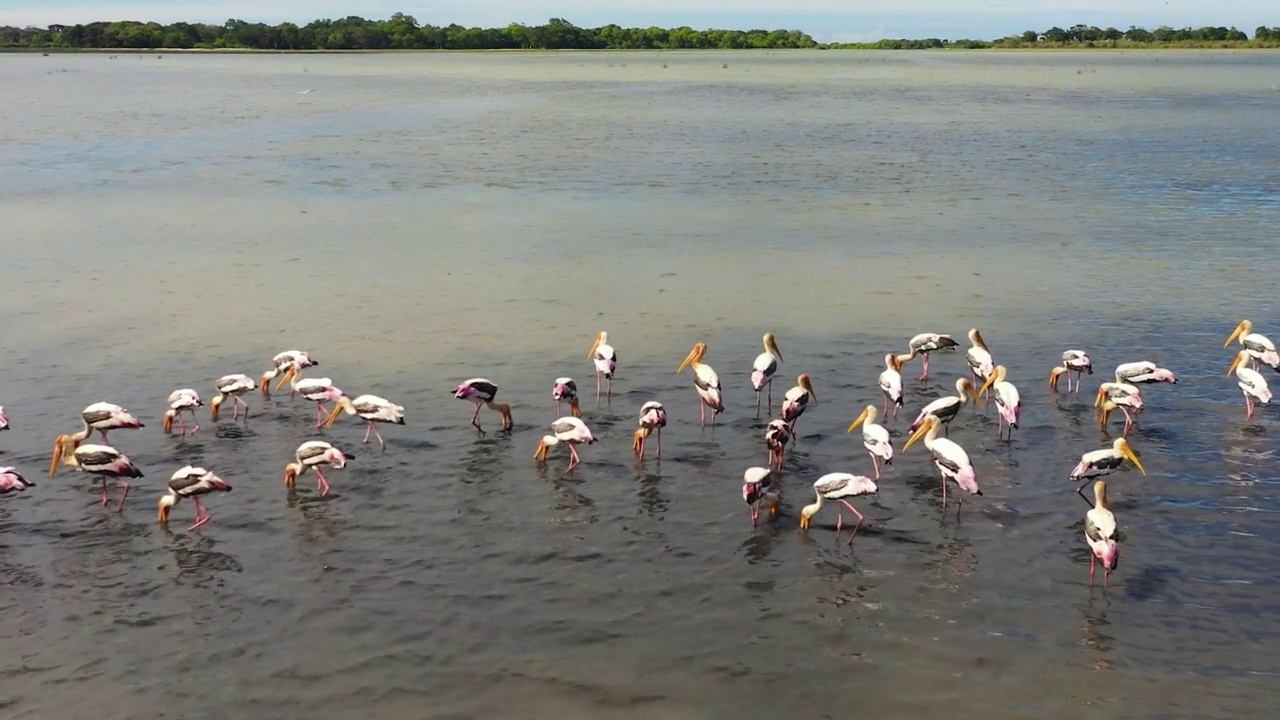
<point x="826" y="20"/>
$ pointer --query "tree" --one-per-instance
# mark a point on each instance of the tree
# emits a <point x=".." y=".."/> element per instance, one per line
<point x="1030" y="37"/>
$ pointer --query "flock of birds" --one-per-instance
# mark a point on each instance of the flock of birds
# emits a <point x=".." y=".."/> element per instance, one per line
<point x="987" y="382"/>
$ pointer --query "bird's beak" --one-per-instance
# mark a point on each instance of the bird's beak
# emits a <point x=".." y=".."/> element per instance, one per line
<point x="290" y="475"/>
<point x="573" y="407"/>
<point x="1053" y="377"/>
<point x="265" y="383"/>
<point x="991" y="379"/>
<point x="57" y="455"/>
<point x="288" y="375"/>
<point x="804" y="522"/>
<point x="163" y="514"/>
<point x="809" y="386"/>
<point x="919" y="433"/>
<point x="773" y="348"/>
<point x="1235" y="363"/>
<point x="1236" y="333"/>
<point x="981" y="343"/>
<point x="168" y="422"/>
<point x="541" y="453"/>
<point x="1105" y="415"/>
<point x="594" y="345"/>
<point x="636" y="438"/>
<point x="1133" y="458"/>
<point x="688" y="359"/>
<point x="858" y="422"/>
<point x="333" y="414"/>
<point x="213" y="409"/>
<point x="1097" y="398"/>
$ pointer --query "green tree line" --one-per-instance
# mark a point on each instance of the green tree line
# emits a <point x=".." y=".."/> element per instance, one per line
<point x="1091" y="36"/>
<point x="399" y="32"/>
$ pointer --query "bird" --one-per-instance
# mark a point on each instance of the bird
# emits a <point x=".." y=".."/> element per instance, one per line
<point x="605" y="359"/>
<point x="105" y="462"/>
<point x="280" y="363"/>
<point x="1251" y="382"/>
<point x="370" y="408"/>
<point x="1121" y="395"/>
<point x="12" y="481"/>
<point x="979" y="357"/>
<point x="891" y="384"/>
<point x="569" y="430"/>
<point x="705" y="381"/>
<point x="1073" y="361"/>
<point x="482" y="392"/>
<point x="763" y="370"/>
<point x="1100" y="533"/>
<point x="565" y="389"/>
<point x="1144" y="372"/>
<point x="4" y="419"/>
<point x="951" y="459"/>
<point x="100" y="416"/>
<point x="838" y="486"/>
<point x="180" y="401"/>
<point x="191" y="482"/>
<point x="875" y="438"/>
<point x="1008" y="404"/>
<point x="757" y="487"/>
<point x="231" y="386"/>
<point x="1261" y="349"/>
<point x="946" y="408"/>
<point x="776" y="436"/>
<point x="926" y="343"/>
<point x="318" y="391"/>
<point x="311" y="455"/>
<point x="653" y="417"/>
<point x="1097" y="463"/>
<point x="797" y="399"/>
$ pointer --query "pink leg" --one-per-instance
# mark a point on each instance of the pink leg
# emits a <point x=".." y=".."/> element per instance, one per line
<point x="702" y="413"/>
<point x="839" y="522"/>
<point x="597" y="384"/>
<point x="944" y="495"/>
<point x="924" y="360"/>
<point x="853" y="510"/>
<point x="573" y="458"/>
<point x="319" y="416"/>
<point x="875" y="462"/>
<point x="1091" y="569"/>
<point x="884" y="406"/>
<point x="659" y="443"/>
<point x="757" y="403"/>
<point x="104" y="490"/>
<point x="475" y="415"/>
<point x="202" y="515"/>
<point x="608" y="393"/>
<point x="195" y="422"/>
<point x="321" y="484"/>
<point x="124" y="484"/>
<point x="367" y="428"/>
<point x="182" y="426"/>
<point x="755" y="514"/>
<point x="103" y="433"/>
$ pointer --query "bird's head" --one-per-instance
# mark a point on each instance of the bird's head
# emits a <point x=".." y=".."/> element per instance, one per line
<point x="1244" y="328"/>
<point x="166" y="503"/>
<point x="1122" y="446"/>
<point x="964" y="387"/>
<point x="342" y="403"/>
<point x="264" y="383"/>
<point x="290" y="373"/>
<point x="62" y="445"/>
<point x="638" y="437"/>
<point x="806" y="515"/>
<point x="601" y="337"/>
<point x="543" y="445"/>
<point x="926" y="425"/>
<point x="694" y="357"/>
<point x="997" y="375"/>
<point x="504" y="410"/>
<point x="1054" y="374"/>
<point x="771" y="344"/>
<point x="214" y="404"/>
<point x="804" y="382"/>
<point x="168" y="420"/>
<point x="291" y="473"/>
<point x="868" y="415"/>
<point x="573" y="407"/>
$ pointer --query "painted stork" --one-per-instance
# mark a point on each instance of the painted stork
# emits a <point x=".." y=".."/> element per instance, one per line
<point x="1100" y="533"/>
<point x="100" y="416"/>
<point x="482" y="392"/>
<point x="946" y="408"/>
<point x="1073" y="362"/>
<point x="566" y="390"/>
<point x="1261" y="349"/>
<point x="1008" y="403"/>
<point x="979" y="358"/>
<point x="605" y="359"/>
<point x="891" y="384"/>
<point x="757" y="487"/>
<point x="705" y="381"/>
<point x="951" y="460"/>
<point x="776" y="436"/>
<point x="12" y="481"/>
<point x="4" y="419"/>
<point x="838" y="486"/>
<point x="370" y="408"/>
<point x="797" y="400"/>
<point x="1144" y="373"/>
<point x="570" y="431"/>
<point x="311" y="455"/>
<point x="1251" y="382"/>
<point x="926" y="343"/>
<point x="1118" y="395"/>
<point x="105" y="462"/>
<point x="280" y="363"/>
<point x="653" y="417"/>
<point x="180" y="401"/>
<point x="191" y="482"/>
<point x="763" y="370"/>
<point x="1097" y="463"/>
<point x="231" y="386"/>
<point x="875" y="438"/>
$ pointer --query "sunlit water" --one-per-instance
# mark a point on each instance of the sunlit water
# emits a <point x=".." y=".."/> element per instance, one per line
<point x="416" y="220"/>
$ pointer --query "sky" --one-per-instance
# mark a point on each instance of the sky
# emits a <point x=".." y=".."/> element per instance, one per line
<point x="825" y="20"/>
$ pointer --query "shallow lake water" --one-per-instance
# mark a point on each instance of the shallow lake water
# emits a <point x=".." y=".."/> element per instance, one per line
<point x="414" y="220"/>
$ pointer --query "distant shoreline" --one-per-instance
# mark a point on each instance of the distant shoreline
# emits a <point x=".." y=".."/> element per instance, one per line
<point x="598" y="51"/>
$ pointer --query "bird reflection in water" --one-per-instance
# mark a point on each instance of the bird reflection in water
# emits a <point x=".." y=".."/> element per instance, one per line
<point x="195" y="559"/>
<point x="569" y="506"/>
<point x="1095" y="638"/>
<point x="653" y="502"/>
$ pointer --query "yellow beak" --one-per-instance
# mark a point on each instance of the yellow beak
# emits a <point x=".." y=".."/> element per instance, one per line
<point x="57" y="455"/>
<point x="163" y="515"/>
<point x="1236" y="333"/>
<point x="541" y="452"/>
<point x="333" y="414"/>
<point x="858" y="422"/>
<point x="594" y="345"/>
<point x="919" y="433"/>
<point x="1235" y="363"/>
<point x="1128" y="453"/>
<point x="687" y="359"/>
<point x="1097" y="398"/>
<point x="288" y="375"/>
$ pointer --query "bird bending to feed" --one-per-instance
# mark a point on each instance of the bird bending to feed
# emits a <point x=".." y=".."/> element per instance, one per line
<point x="311" y="455"/>
<point x="191" y="482"/>
<point x="1261" y="349"/>
<point x="570" y="431"/>
<point x="1073" y="361"/>
<point x="1251" y="382"/>
<point x="757" y="487"/>
<point x="12" y="481"/>
<point x="838" y="486"/>
<point x="231" y="386"/>
<point x="875" y="438"/>
<point x="605" y="359"/>
<point x="318" y="391"/>
<point x="653" y="417"/>
<point x="1008" y="404"/>
<point x="100" y="416"/>
<point x="951" y="459"/>
<point x="180" y="401"/>
<point x="763" y="370"/>
<point x="926" y="343"/>
<point x="979" y="357"/>
<point x="797" y="399"/>
<point x="891" y="384"/>
<point x="1100" y="533"/>
<point x="705" y="381"/>
<point x="565" y="389"/>
<point x="1097" y="463"/>
<point x="370" y="408"/>
<point x="105" y="462"/>
<point x="946" y="408"/>
<point x="776" y="436"/>
<point x="280" y="363"/>
<point x="482" y="392"/>
<point x="1144" y="372"/>
<point x="1118" y="395"/>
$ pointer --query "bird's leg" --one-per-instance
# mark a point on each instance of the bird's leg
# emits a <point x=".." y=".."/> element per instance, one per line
<point x="557" y="408"/>
<point x="944" y="496"/>
<point x="321" y="484"/>
<point x="1080" y="492"/>
<point x="381" y="444"/>
<point x="608" y="393"/>
<point x="319" y="416"/>
<point x="104" y="489"/>
<point x="854" y="510"/>
<point x="195" y="422"/>
<point x="1091" y="568"/>
<point x="475" y="415"/>
<point x="659" y="443"/>
<point x="770" y="392"/>
<point x="1106" y="578"/>
<point x="597" y="384"/>
<point x="757" y="403"/>
<point x="202" y="515"/>
<point x="574" y="461"/>
<point x="103" y="433"/>
<point x="1248" y="408"/>
<point x="124" y="484"/>
<point x="884" y="406"/>
<point x="755" y="514"/>
<point x="924" y="361"/>
<point x="702" y="413"/>
<point x="839" y="522"/>
<point x="367" y="428"/>
<point x="875" y="463"/>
